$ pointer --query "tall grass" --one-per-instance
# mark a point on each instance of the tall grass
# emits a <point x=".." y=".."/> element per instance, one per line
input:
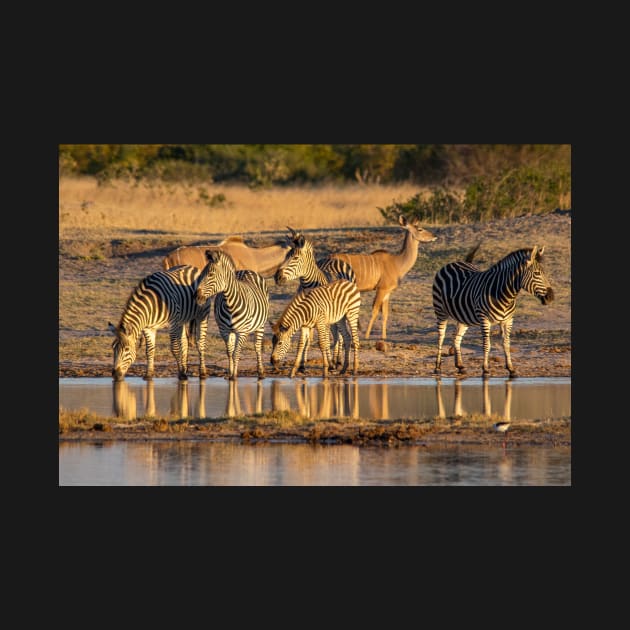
<point x="214" y="208"/>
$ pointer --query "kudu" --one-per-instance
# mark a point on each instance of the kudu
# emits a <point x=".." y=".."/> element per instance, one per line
<point x="263" y="260"/>
<point x="382" y="271"/>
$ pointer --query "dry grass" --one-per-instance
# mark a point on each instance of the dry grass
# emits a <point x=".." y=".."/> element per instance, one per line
<point x="182" y="209"/>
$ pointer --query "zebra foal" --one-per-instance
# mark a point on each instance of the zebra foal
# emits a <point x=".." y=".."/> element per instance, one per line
<point x="241" y="306"/>
<point x="471" y="297"/>
<point x="164" y="298"/>
<point x="338" y="302"/>
<point x="300" y="264"/>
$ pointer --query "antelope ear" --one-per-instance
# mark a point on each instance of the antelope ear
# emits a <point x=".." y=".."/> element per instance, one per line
<point x="402" y="220"/>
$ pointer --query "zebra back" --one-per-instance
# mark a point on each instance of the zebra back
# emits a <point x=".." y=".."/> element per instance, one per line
<point x="466" y="294"/>
<point x="337" y="269"/>
<point x="161" y="298"/>
<point x="324" y="304"/>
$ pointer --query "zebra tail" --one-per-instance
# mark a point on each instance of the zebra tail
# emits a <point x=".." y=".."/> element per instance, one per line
<point x="471" y="254"/>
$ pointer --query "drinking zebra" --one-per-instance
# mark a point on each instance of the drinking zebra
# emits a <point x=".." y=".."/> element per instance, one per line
<point x="482" y="298"/>
<point x="300" y="263"/>
<point x="241" y="306"/>
<point x="164" y="298"/>
<point x="338" y="302"/>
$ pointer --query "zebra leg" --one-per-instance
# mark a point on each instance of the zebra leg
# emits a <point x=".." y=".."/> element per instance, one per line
<point x="258" y="342"/>
<point x="506" y="331"/>
<point x="149" y="340"/>
<point x="240" y="340"/>
<point x="324" y="346"/>
<point x="201" y="330"/>
<point x="441" y="327"/>
<point x="230" y="345"/>
<point x="302" y="343"/>
<point x="335" y="359"/>
<point x="485" y="331"/>
<point x="307" y="343"/>
<point x="457" y="343"/>
<point x="347" y="342"/>
<point x="179" y="348"/>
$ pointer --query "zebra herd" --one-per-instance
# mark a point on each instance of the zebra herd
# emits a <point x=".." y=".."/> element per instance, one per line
<point x="328" y="300"/>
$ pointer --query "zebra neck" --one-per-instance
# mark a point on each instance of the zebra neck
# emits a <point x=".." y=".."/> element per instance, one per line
<point x="133" y="328"/>
<point x="231" y="289"/>
<point x="314" y="278"/>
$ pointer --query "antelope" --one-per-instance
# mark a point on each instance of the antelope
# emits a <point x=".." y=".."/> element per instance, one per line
<point x="382" y="271"/>
<point x="262" y="260"/>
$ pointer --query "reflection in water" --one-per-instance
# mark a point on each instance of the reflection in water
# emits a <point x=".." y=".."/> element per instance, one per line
<point x="227" y="464"/>
<point x="380" y="399"/>
<point x="251" y="405"/>
<point x="486" y="407"/>
<point x="124" y="401"/>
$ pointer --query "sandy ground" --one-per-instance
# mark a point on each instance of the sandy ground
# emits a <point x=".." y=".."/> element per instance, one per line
<point x="93" y="290"/>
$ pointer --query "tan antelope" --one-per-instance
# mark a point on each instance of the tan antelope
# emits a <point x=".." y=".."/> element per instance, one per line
<point x="262" y="260"/>
<point x="382" y="271"/>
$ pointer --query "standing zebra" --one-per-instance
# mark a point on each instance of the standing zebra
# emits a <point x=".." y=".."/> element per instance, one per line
<point x="164" y="298"/>
<point x="241" y="305"/>
<point x="300" y="263"/>
<point x="319" y="308"/>
<point x="482" y="298"/>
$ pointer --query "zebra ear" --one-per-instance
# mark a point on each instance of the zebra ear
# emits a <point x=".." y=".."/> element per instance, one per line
<point x="211" y="255"/>
<point x="111" y="328"/>
<point x="300" y="241"/>
<point x="532" y="258"/>
<point x="541" y="251"/>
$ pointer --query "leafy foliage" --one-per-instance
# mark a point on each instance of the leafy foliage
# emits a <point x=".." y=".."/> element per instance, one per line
<point x="264" y="165"/>
<point x="517" y="191"/>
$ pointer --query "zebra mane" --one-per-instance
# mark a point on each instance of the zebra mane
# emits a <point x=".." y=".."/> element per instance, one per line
<point x="217" y="254"/>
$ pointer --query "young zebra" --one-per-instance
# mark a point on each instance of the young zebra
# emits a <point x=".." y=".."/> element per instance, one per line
<point x="241" y="306"/>
<point x="164" y="298"/>
<point x="300" y="263"/>
<point x="319" y="308"/>
<point x="482" y="298"/>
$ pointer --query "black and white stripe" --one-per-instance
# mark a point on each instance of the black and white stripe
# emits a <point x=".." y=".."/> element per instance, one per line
<point x="338" y="302"/>
<point x="162" y="299"/>
<point x="241" y="306"/>
<point x="482" y="298"/>
<point x="300" y="264"/>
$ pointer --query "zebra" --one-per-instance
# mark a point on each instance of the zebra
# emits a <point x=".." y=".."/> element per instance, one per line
<point x="241" y="306"/>
<point x="482" y="298"/>
<point x="338" y="302"/>
<point x="162" y="299"/>
<point x="300" y="263"/>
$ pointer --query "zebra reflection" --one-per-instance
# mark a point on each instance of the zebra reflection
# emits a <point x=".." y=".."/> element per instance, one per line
<point x="486" y="409"/>
<point x="250" y="404"/>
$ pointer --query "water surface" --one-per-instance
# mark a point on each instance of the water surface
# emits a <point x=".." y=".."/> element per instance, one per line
<point x="316" y="398"/>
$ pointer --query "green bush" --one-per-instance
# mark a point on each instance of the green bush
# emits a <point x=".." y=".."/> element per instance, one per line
<point x="511" y="193"/>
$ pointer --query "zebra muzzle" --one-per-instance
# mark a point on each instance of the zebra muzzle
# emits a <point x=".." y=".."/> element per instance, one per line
<point x="548" y="297"/>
